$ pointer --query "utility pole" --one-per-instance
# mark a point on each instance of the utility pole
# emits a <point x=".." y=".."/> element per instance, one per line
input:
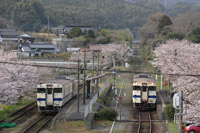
<point x="20" y="48"/>
<point x="13" y="16"/>
<point x="161" y="83"/>
<point x="78" y="88"/>
<point x="181" y="111"/>
<point x="93" y="72"/>
<point x="168" y="88"/>
<point x="114" y="72"/>
<point x="84" y="77"/>
<point x="97" y="72"/>
<point x="48" y="24"/>
<point x="165" y="7"/>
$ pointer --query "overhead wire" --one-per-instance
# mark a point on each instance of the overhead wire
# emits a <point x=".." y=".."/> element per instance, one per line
<point x="117" y="71"/>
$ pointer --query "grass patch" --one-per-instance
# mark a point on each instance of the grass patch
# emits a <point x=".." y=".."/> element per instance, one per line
<point x="9" y="109"/>
<point x="120" y="131"/>
<point x="159" y="86"/>
<point x="100" y="97"/>
<point x="71" y="127"/>
<point x="172" y="127"/>
<point x="107" y="114"/>
<point x="122" y="68"/>
<point x="103" y="123"/>
<point x="107" y="100"/>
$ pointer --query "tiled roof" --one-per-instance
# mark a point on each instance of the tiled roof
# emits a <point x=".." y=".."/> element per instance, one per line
<point x="26" y="36"/>
<point x="95" y="47"/>
<point x="26" y="48"/>
<point x="41" y="45"/>
<point x="84" y="49"/>
<point x="8" y="33"/>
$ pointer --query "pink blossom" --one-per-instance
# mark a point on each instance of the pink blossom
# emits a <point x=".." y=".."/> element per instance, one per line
<point x="16" y="80"/>
<point x="182" y="58"/>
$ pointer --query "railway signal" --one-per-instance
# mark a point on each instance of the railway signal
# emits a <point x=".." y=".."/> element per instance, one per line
<point x="178" y="104"/>
<point x="177" y="101"/>
<point x="103" y="58"/>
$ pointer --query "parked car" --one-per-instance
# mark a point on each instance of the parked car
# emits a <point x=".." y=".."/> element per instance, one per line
<point x="194" y="128"/>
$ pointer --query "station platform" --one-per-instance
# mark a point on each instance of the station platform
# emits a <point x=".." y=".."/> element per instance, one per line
<point x="70" y="112"/>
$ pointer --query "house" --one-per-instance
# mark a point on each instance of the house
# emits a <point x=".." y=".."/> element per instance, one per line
<point x="72" y="50"/>
<point x="96" y="47"/>
<point x="26" y="38"/>
<point x="9" y="35"/>
<point x="62" y="43"/>
<point x="37" y="49"/>
<point x="84" y="29"/>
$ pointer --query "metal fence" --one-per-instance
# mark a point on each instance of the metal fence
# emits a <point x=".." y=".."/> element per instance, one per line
<point x="89" y="106"/>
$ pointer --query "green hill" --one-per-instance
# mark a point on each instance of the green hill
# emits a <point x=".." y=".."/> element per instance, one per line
<point x="114" y="14"/>
<point x="31" y="15"/>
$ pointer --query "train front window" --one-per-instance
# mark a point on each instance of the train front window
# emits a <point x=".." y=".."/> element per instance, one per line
<point x="152" y="88"/>
<point x="57" y="90"/>
<point x="136" y="87"/>
<point x="144" y="88"/>
<point x="40" y="90"/>
<point x="49" y="91"/>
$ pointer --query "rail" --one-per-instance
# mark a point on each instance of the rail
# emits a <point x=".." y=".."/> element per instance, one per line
<point x="22" y="112"/>
<point x="36" y="126"/>
<point x="21" y="109"/>
<point x="141" y="126"/>
<point x="19" y="113"/>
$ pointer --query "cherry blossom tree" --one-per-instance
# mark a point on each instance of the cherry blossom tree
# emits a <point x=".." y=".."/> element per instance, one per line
<point x="80" y="55"/>
<point x="122" y="52"/>
<point x="180" y="61"/>
<point x="16" y="80"/>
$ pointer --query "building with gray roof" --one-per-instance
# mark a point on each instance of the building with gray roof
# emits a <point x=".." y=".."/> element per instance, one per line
<point x="9" y="35"/>
<point x="37" y="49"/>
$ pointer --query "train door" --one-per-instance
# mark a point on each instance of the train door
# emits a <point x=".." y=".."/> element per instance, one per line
<point x="49" y="96"/>
<point x="144" y="94"/>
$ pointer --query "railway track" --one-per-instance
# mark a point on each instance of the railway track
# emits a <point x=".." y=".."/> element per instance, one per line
<point x="19" y="114"/>
<point x="36" y="126"/>
<point x="145" y="122"/>
<point x="22" y="114"/>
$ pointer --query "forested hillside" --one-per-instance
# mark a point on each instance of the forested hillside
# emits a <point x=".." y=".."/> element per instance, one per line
<point x="27" y="15"/>
<point x="170" y="3"/>
<point x="114" y="14"/>
<point x="31" y="15"/>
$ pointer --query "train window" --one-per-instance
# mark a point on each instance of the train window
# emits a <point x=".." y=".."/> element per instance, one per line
<point x="40" y="90"/>
<point x="136" y="87"/>
<point x="49" y="91"/>
<point x="144" y="88"/>
<point x="57" y="90"/>
<point x="152" y="88"/>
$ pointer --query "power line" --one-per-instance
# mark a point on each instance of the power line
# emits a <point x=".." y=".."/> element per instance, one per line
<point x="117" y="71"/>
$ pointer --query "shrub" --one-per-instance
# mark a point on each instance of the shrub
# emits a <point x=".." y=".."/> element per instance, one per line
<point x="169" y="112"/>
<point x="107" y="114"/>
